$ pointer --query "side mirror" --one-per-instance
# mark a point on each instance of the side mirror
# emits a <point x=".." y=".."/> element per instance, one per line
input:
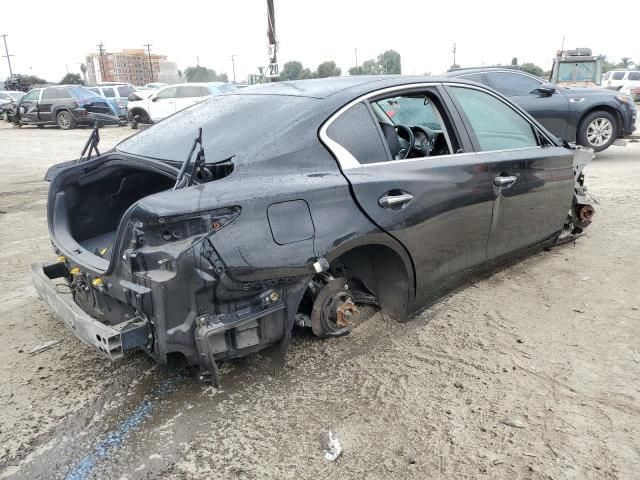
<point x="546" y="89"/>
<point x="154" y="98"/>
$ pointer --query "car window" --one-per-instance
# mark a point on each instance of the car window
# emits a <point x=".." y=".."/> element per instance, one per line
<point x="55" y="93"/>
<point x="192" y="91"/>
<point x="512" y="84"/>
<point x="618" y="75"/>
<point x="124" y="91"/>
<point x="606" y="76"/>
<point x="32" y="96"/>
<point x="169" y="92"/>
<point x="4" y="96"/>
<point x="108" y="92"/>
<point x="496" y="125"/>
<point x="16" y="95"/>
<point x="410" y="111"/>
<point x="356" y="131"/>
<point x="634" y="76"/>
<point x="474" y="77"/>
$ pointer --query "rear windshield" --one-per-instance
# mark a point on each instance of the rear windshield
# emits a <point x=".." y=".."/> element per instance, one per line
<point x="229" y="124"/>
<point x="81" y="93"/>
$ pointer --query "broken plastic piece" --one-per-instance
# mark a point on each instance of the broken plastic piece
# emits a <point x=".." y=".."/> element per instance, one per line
<point x="334" y="447"/>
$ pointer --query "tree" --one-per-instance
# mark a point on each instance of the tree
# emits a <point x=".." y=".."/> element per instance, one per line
<point x="514" y="61"/>
<point x="306" y="73"/>
<point x="390" y="62"/>
<point x="83" y="69"/>
<point x="291" y="70"/>
<point x="370" y="67"/>
<point x="532" y="69"/>
<point x="72" y="79"/>
<point x="356" y="70"/>
<point x="626" y="62"/>
<point x="204" y="74"/>
<point x="328" y="69"/>
<point x="33" y="80"/>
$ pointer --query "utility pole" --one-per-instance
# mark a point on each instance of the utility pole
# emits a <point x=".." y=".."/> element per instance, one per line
<point x="454" y="53"/>
<point x="271" y="35"/>
<point x="233" y="66"/>
<point x="562" y="47"/>
<point x="101" y="50"/>
<point x="198" y="61"/>
<point x="148" y="45"/>
<point x="356" y="50"/>
<point x="7" y="56"/>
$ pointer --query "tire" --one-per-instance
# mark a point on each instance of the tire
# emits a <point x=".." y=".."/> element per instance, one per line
<point x="138" y="116"/>
<point x="598" y="130"/>
<point x="65" y="120"/>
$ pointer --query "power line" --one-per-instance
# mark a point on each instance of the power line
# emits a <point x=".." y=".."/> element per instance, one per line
<point x="7" y="56"/>
<point x="148" y="45"/>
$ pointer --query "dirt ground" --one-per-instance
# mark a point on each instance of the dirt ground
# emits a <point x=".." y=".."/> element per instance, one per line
<point x="532" y="373"/>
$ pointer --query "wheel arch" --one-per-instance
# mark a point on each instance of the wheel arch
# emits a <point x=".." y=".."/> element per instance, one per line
<point x="383" y="268"/>
<point x="605" y="108"/>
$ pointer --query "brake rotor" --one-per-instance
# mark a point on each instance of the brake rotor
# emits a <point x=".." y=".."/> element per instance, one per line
<point x="332" y="309"/>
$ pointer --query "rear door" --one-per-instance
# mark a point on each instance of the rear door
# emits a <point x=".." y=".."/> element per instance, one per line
<point x="50" y="97"/>
<point x="437" y="205"/>
<point x="28" y="107"/>
<point x="163" y="104"/>
<point x="552" y="111"/>
<point x="532" y="179"/>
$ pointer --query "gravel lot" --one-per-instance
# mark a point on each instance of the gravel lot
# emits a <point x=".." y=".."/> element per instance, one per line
<point x="531" y="373"/>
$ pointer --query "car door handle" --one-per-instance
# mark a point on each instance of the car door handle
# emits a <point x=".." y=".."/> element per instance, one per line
<point x="390" y="200"/>
<point x="504" y="181"/>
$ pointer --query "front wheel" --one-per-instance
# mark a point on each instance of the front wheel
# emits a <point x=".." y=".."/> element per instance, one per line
<point x="598" y="130"/>
<point x="65" y="120"/>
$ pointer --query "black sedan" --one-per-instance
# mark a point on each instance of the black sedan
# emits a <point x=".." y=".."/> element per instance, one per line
<point x="209" y="235"/>
<point x="593" y="117"/>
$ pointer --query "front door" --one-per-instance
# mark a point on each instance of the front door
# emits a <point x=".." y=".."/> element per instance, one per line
<point x="163" y="104"/>
<point x="552" y="111"/>
<point x="28" y="107"/>
<point x="532" y="179"/>
<point x="434" y="199"/>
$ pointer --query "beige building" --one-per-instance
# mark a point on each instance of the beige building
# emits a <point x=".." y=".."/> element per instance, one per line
<point x="129" y="66"/>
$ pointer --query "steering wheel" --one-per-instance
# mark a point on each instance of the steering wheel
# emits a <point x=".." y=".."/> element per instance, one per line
<point x="407" y="137"/>
<point x="426" y="147"/>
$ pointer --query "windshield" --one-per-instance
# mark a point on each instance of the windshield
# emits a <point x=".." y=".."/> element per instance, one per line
<point x="230" y="124"/>
<point x="577" y="72"/>
<point x="16" y="95"/>
<point x="410" y="111"/>
<point x="81" y="93"/>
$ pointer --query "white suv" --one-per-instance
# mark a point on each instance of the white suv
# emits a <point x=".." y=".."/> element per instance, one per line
<point x="621" y="80"/>
<point x="173" y="98"/>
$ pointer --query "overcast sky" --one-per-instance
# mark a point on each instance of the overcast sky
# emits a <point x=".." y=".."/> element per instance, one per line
<point x="49" y="35"/>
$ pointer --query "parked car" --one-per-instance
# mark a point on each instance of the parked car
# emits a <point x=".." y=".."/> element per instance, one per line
<point x="156" y="86"/>
<point x="621" y="80"/>
<point x="119" y="93"/>
<point x="593" y="117"/>
<point x="172" y="99"/>
<point x="305" y="198"/>
<point x="65" y="106"/>
<point x="8" y="102"/>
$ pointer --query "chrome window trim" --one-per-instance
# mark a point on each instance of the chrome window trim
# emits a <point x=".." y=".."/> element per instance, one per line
<point x="348" y="162"/>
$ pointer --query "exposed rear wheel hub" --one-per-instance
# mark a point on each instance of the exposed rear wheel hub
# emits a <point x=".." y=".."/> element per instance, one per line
<point x="332" y="309"/>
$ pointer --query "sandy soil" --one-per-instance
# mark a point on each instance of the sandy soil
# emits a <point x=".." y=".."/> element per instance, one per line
<point x="531" y="373"/>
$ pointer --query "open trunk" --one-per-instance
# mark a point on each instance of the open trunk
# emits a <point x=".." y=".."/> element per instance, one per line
<point x="88" y="208"/>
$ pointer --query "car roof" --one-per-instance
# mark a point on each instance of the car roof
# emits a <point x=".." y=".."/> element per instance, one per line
<point x="333" y="86"/>
<point x="453" y="72"/>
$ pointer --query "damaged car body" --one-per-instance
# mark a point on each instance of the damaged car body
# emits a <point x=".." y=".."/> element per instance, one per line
<point x="209" y="235"/>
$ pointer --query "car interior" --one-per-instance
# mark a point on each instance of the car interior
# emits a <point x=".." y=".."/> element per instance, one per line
<point x="412" y="126"/>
